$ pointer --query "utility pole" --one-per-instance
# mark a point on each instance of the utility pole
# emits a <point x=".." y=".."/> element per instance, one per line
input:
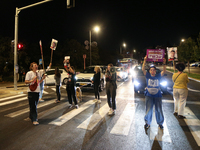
<point x="16" y="38"/>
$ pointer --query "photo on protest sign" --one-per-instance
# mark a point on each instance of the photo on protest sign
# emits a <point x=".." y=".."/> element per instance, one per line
<point x="54" y="44"/>
<point x="172" y="53"/>
<point x="67" y="57"/>
<point x="155" y="55"/>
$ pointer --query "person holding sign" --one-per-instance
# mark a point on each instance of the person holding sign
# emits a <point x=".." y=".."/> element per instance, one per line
<point x="153" y="94"/>
<point x="33" y="79"/>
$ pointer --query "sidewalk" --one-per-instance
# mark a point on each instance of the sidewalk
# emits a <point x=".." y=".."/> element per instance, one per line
<point x="7" y="89"/>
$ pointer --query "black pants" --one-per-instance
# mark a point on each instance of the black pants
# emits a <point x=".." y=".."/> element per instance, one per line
<point x="33" y="98"/>
<point x="58" y="92"/>
<point x="111" y="94"/>
<point x="71" y="93"/>
<point x="96" y="91"/>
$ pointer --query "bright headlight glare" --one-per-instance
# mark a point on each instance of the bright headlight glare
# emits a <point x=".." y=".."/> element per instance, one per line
<point x="91" y="78"/>
<point x="136" y="83"/>
<point x="76" y="78"/>
<point x="164" y="83"/>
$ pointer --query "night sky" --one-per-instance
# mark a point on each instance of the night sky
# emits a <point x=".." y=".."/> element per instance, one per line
<point x="138" y="23"/>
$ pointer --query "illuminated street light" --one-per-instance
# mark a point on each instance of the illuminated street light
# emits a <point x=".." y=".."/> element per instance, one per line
<point x="96" y="29"/>
<point x="124" y="44"/>
<point x="183" y="40"/>
<point x="134" y="50"/>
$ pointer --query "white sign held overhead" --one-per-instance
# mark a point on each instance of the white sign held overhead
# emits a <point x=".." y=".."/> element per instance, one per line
<point x="53" y="44"/>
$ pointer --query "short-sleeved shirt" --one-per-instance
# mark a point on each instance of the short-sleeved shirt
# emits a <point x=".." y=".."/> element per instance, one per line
<point x="181" y="80"/>
<point x="29" y="76"/>
<point x="153" y="82"/>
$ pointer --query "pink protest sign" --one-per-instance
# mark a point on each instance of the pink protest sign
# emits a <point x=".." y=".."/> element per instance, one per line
<point x="155" y="55"/>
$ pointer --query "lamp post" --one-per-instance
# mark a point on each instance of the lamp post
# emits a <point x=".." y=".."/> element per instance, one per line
<point x="124" y="45"/>
<point x="16" y="38"/>
<point x="96" y="29"/>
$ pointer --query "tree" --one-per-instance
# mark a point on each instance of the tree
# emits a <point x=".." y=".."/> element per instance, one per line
<point x="187" y="51"/>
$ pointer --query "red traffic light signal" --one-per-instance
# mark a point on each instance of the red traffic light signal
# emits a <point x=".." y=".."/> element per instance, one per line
<point x="19" y="46"/>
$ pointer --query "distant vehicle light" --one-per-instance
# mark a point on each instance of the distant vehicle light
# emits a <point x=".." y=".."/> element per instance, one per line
<point x="91" y="78"/>
<point x="136" y="83"/>
<point x="76" y="77"/>
<point x="164" y="83"/>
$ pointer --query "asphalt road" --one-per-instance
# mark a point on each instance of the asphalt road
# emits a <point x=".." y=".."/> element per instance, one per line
<point x="89" y="127"/>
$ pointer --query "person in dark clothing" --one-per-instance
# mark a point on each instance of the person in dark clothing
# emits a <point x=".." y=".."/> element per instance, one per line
<point x="57" y="78"/>
<point x="111" y="87"/>
<point x="70" y="87"/>
<point x="96" y="82"/>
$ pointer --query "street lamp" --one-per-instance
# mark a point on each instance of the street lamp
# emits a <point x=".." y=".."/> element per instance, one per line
<point x="182" y="40"/>
<point x="124" y="45"/>
<point x="96" y="29"/>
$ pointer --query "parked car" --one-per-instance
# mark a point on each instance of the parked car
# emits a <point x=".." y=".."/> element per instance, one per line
<point x="122" y="73"/>
<point x="50" y="76"/>
<point x="84" y="78"/>
<point x="195" y="64"/>
<point x="139" y="80"/>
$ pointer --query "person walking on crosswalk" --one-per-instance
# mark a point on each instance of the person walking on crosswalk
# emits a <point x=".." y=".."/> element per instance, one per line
<point x="96" y="82"/>
<point x="111" y="87"/>
<point x="57" y="78"/>
<point x="41" y="71"/>
<point x="153" y="94"/>
<point x="33" y="79"/>
<point x="70" y="87"/>
<point x="180" y="90"/>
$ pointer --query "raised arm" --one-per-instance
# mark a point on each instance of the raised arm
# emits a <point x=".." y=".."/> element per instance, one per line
<point x="164" y="67"/>
<point x="143" y="66"/>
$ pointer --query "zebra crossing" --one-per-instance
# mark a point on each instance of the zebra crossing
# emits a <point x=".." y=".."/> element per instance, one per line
<point x="121" y="127"/>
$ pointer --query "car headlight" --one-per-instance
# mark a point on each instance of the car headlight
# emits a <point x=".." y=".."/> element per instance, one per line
<point x="76" y="78"/>
<point x="136" y="83"/>
<point x="91" y="78"/>
<point x="164" y="83"/>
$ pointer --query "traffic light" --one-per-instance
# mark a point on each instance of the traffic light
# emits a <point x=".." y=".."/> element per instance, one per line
<point x="19" y="46"/>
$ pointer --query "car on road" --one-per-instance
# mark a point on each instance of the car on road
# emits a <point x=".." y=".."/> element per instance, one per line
<point x="122" y="73"/>
<point x="195" y="64"/>
<point x="84" y="78"/>
<point x="139" y="80"/>
<point x="49" y="80"/>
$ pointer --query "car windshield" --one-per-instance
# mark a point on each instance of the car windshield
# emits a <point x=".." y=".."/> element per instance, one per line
<point x="88" y="70"/>
<point x="119" y="69"/>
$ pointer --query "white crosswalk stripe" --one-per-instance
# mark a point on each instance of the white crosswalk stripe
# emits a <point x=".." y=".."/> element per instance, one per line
<point x="123" y="124"/>
<point x="63" y="119"/>
<point x="10" y="97"/>
<point x="13" y="101"/>
<point x="193" y="123"/>
<point x="54" y="89"/>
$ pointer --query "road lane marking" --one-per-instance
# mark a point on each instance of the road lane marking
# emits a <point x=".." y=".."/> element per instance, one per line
<point x="64" y="118"/>
<point x="193" y="90"/>
<point x="25" y="110"/>
<point x="95" y="118"/>
<point x="2" y="99"/>
<point x="13" y="101"/>
<point x="45" y="92"/>
<point x="51" y="110"/>
<point x="123" y="124"/>
<point x="54" y="89"/>
<point x="156" y="133"/>
<point x="193" y="123"/>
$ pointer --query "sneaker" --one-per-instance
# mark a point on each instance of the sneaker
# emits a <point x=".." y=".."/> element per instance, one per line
<point x="76" y="106"/>
<point x="70" y="106"/>
<point x="161" y="126"/>
<point x="146" y="126"/>
<point x="111" y="112"/>
<point x="35" y="123"/>
<point x="95" y="100"/>
<point x="41" y="100"/>
<point x="99" y="101"/>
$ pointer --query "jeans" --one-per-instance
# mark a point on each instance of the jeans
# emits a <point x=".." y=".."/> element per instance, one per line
<point x="180" y="96"/>
<point x="33" y="98"/>
<point x="150" y="102"/>
<point x="96" y="91"/>
<point x="71" y="92"/>
<point x="111" y="94"/>
<point x="41" y="89"/>
<point x="58" y="92"/>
